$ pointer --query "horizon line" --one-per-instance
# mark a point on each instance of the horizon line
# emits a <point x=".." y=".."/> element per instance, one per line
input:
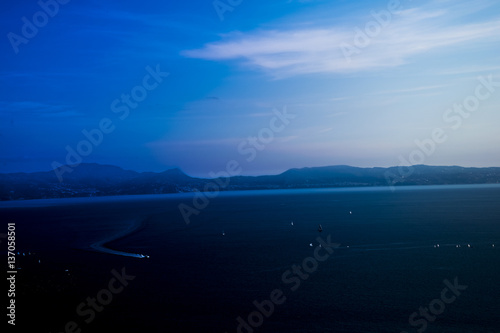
<point x="243" y="175"/>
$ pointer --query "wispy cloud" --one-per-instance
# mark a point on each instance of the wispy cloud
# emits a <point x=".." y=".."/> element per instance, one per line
<point x="183" y="144"/>
<point x="337" y="99"/>
<point x="336" y="114"/>
<point x="412" y="90"/>
<point x="470" y="69"/>
<point x="289" y="52"/>
<point x="36" y="109"/>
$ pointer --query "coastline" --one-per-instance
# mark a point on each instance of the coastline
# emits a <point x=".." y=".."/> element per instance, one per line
<point x="49" y="202"/>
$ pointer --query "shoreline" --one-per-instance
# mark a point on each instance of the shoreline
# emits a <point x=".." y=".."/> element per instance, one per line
<point x="101" y="246"/>
<point x="45" y="202"/>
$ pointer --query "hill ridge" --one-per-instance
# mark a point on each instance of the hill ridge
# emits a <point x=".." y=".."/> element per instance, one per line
<point x="92" y="179"/>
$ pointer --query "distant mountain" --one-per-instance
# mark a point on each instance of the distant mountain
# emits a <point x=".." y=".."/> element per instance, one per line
<point x="105" y="180"/>
<point x="347" y="176"/>
<point x="91" y="180"/>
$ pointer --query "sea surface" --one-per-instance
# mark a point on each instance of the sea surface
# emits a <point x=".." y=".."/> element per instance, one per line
<point x="392" y="253"/>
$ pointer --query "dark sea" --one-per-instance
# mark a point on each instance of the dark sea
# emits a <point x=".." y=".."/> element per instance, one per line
<point x="417" y="259"/>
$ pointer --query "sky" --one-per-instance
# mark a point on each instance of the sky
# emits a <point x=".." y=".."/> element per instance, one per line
<point x="269" y="85"/>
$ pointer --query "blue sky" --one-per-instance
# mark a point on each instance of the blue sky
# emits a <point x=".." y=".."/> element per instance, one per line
<point x="361" y="101"/>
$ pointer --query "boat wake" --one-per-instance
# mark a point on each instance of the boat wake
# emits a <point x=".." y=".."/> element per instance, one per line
<point x="100" y="246"/>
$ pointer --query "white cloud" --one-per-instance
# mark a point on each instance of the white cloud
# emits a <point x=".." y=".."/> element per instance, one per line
<point x="289" y="52"/>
